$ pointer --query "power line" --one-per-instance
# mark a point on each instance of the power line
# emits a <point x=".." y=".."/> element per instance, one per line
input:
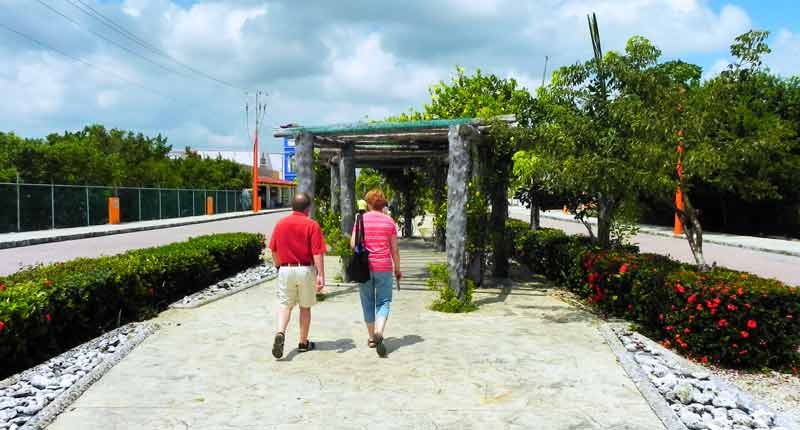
<point x="77" y="24"/>
<point x="84" y="62"/>
<point x="108" y="22"/>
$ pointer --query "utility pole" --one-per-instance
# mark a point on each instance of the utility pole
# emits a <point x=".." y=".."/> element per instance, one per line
<point x="260" y="110"/>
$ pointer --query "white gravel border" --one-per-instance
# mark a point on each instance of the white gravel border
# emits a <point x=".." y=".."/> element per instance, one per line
<point x="612" y="331"/>
<point x="204" y="297"/>
<point x="53" y="408"/>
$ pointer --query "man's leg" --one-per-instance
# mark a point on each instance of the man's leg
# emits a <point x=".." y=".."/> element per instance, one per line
<point x="284" y="315"/>
<point x="305" y="323"/>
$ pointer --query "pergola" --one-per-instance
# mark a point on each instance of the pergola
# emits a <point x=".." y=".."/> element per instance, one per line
<point x="447" y="146"/>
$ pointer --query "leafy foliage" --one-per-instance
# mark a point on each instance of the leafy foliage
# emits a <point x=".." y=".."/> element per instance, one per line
<point x="97" y="156"/>
<point x="722" y="316"/>
<point x="46" y="310"/>
<point x="448" y="301"/>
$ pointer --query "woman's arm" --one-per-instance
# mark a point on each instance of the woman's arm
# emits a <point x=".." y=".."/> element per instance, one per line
<point x="395" y="256"/>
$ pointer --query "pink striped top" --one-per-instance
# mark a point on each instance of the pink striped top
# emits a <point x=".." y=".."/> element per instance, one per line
<point x="378" y="229"/>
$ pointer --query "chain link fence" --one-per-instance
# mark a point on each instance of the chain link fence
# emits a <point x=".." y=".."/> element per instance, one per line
<point x="28" y="207"/>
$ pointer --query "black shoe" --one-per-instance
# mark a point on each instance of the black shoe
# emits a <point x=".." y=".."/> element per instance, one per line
<point x="277" y="347"/>
<point x="380" y="347"/>
<point x="305" y="347"/>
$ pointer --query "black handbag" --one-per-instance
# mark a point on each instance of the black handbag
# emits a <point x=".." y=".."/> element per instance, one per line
<point x="358" y="267"/>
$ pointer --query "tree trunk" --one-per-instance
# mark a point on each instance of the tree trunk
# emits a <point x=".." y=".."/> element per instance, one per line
<point x="693" y="231"/>
<point x="439" y="196"/>
<point x="457" y="177"/>
<point x="498" y="225"/>
<point x="605" y="210"/>
<point x="535" y="222"/>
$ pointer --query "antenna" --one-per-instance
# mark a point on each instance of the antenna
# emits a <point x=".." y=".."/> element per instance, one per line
<point x="544" y="73"/>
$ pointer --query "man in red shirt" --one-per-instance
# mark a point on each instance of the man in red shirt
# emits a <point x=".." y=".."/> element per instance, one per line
<point x="298" y="250"/>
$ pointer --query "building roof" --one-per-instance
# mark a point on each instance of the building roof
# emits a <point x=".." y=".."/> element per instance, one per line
<point x="272" y="181"/>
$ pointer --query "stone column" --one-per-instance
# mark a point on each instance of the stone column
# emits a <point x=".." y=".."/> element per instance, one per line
<point x="347" y="176"/>
<point x="335" y="188"/>
<point x="267" y="199"/>
<point x="457" y="178"/>
<point x="304" y="153"/>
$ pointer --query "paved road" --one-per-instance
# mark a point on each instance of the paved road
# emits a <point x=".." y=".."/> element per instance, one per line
<point x="766" y="264"/>
<point x="12" y="259"/>
<point x="524" y="360"/>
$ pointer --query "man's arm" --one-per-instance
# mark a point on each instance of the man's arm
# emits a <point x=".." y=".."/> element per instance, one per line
<point x="319" y="263"/>
<point x="275" y="260"/>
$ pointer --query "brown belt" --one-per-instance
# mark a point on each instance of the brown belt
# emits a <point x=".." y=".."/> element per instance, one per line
<point x="295" y="265"/>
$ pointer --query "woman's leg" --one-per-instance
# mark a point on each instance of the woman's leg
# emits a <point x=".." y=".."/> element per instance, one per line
<point x="367" y="292"/>
<point x="383" y="299"/>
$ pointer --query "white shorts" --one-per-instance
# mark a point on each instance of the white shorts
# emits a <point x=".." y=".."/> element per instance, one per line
<point x="297" y="285"/>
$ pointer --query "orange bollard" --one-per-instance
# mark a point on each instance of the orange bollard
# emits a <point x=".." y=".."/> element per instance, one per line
<point x="677" y="230"/>
<point x="209" y="205"/>
<point x="113" y="210"/>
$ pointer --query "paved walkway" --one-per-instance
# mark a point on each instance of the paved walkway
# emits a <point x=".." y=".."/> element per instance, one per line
<point x="733" y="255"/>
<point x="523" y="360"/>
<point x="28" y="238"/>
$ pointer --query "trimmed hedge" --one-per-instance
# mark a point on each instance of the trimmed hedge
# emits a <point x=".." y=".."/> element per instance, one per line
<point x="722" y="316"/>
<point x="46" y="310"/>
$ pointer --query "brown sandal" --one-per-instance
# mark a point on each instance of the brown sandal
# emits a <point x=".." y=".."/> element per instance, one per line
<point x="371" y="343"/>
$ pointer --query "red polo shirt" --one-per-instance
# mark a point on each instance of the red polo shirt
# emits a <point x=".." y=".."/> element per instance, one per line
<point x="296" y="239"/>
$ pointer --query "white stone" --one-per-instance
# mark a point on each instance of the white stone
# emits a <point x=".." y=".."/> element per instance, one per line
<point x="67" y="380"/>
<point x="683" y="392"/>
<point x="40" y="381"/>
<point x="8" y="414"/>
<point x="741" y="418"/>
<point x="724" y="400"/>
<point x="691" y="419"/>
<point x="703" y="397"/>
<point x="763" y="418"/>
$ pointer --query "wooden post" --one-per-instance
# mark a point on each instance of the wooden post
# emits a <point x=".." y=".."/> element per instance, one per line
<point x="336" y="185"/>
<point x="347" y="176"/>
<point x="457" y="178"/>
<point x="304" y="153"/>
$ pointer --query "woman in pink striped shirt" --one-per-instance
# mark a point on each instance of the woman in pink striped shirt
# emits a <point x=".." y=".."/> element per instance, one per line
<point x="380" y="239"/>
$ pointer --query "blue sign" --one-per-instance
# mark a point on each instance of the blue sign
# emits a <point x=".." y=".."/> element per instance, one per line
<point x="289" y="161"/>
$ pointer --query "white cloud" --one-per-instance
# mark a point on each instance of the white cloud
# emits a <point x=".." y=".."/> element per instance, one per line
<point x="785" y="57"/>
<point x="33" y="85"/>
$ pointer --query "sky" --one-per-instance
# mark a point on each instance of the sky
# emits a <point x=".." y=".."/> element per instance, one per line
<point x="187" y="68"/>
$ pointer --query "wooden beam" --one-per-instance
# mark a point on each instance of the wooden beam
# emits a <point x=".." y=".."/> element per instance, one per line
<point x="347" y="172"/>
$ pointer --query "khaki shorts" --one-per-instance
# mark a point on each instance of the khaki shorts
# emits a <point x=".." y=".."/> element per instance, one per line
<point x="297" y="285"/>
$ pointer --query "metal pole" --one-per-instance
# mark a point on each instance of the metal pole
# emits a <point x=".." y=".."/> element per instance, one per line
<point x="19" y="220"/>
<point x="194" y="207"/>
<point x="52" y="205"/>
<point x="140" y="204"/>
<point x="88" y="219"/>
<point x="179" y="203"/>
<point x="159" y="203"/>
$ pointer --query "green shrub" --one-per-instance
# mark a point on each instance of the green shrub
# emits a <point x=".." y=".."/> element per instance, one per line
<point x="448" y="301"/>
<point x="723" y="316"/>
<point x="330" y="223"/>
<point x="45" y="310"/>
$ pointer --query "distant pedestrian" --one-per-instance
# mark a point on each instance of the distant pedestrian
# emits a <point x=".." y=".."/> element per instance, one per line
<point x="298" y="250"/>
<point x="380" y="239"/>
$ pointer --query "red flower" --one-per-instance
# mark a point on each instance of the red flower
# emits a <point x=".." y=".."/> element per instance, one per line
<point x="686" y="330"/>
<point x="691" y="318"/>
<point x="623" y="268"/>
<point x="740" y="291"/>
<point x="593" y="277"/>
<point x="48" y="317"/>
<point x="713" y="311"/>
<point x="751" y="324"/>
<point x="731" y="307"/>
<point x="661" y="317"/>
<point x="704" y="359"/>
<point x="669" y="328"/>
<point x="790" y="317"/>
<point x="699" y="307"/>
<point x="722" y="323"/>
<point x="743" y="352"/>
<point x="747" y="305"/>
<point x="744" y="334"/>
<point x="666" y="343"/>
<point x="679" y="288"/>
<point x="2" y="326"/>
<point x="2" y="287"/>
<point x="692" y="298"/>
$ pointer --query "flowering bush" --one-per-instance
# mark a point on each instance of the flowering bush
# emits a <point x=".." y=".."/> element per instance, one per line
<point x="723" y="316"/>
<point x="45" y="310"/>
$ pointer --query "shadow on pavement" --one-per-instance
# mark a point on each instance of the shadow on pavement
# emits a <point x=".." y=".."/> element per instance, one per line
<point x="340" y="346"/>
<point x="393" y="343"/>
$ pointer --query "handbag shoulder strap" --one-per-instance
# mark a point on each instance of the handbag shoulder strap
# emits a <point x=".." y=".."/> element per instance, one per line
<point x="360" y="232"/>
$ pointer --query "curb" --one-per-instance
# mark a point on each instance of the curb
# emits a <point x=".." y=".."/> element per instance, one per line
<point x="47" y="415"/>
<point x="75" y="236"/>
<point x="705" y="240"/>
<point x="657" y="403"/>
<point x="223" y="295"/>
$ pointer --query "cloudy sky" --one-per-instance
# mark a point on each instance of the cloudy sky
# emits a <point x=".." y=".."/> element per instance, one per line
<point x="180" y="67"/>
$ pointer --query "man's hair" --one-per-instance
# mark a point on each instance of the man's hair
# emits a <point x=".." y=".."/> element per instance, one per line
<point x="376" y="200"/>
<point x="301" y="202"/>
